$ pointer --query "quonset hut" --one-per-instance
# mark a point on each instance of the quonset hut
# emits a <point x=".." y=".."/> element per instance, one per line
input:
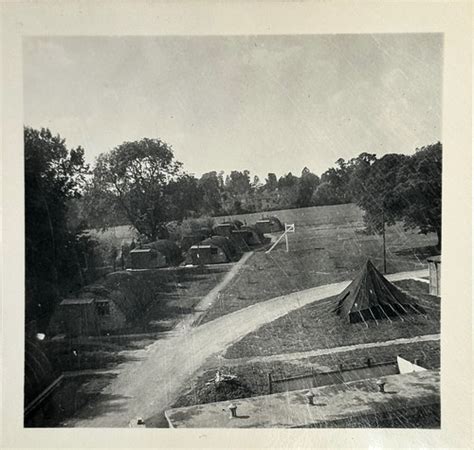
<point x="161" y="253"/>
<point x="214" y="250"/>
<point x="372" y="297"/>
<point x="269" y="225"/>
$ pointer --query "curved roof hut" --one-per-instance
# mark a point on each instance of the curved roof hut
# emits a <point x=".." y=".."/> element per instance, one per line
<point x="270" y="224"/>
<point x="372" y="297"/>
<point x="276" y="222"/>
<point x="225" y="228"/>
<point x="222" y="242"/>
<point x="213" y="250"/>
<point x="168" y="249"/>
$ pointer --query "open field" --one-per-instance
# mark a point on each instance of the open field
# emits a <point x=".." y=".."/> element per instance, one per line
<point x="316" y="326"/>
<point x="328" y="246"/>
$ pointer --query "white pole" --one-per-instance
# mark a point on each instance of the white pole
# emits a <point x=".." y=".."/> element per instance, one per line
<point x="286" y="240"/>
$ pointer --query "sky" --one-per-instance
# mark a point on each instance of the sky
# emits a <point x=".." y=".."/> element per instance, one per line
<point x="261" y="103"/>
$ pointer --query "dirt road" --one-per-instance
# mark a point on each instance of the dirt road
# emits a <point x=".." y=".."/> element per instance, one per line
<point x="153" y="380"/>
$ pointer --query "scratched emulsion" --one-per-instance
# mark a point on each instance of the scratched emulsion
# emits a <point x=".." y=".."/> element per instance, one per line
<point x="233" y="231"/>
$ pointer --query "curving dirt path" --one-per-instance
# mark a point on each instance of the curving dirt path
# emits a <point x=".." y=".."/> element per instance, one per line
<point x="328" y="351"/>
<point x="150" y="383"/>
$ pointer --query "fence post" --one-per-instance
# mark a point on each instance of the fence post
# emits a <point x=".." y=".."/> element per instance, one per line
<point x="269" y="383"/>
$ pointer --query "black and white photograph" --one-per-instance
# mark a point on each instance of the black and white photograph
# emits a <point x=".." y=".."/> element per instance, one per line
<point x="237" y="231"/>
<point x="236" y="224"/>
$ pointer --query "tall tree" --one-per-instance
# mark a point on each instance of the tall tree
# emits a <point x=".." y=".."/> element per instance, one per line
<point x="137" y="175"/>
<point x="271" y="182"/>
<point x="53" y="176"/>
<point x="307" y="185"/>
<point x="418" y="192"/>
<point x="211" y="188"/>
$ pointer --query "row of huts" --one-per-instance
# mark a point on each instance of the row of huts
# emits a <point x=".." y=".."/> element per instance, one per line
<point x="224" y="243"/>
<point x="116" y="300"/>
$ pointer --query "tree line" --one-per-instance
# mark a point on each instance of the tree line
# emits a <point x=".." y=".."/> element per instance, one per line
<point x="142" y="184"/>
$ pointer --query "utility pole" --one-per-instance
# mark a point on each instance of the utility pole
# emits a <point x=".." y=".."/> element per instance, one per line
<point x="383" y="239"/>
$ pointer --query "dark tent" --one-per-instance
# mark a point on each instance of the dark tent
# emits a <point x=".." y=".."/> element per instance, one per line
<point x="371" y="297"/>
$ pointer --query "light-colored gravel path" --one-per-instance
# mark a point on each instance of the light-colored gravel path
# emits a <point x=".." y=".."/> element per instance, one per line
<point x="328" y="351"/>
<point x="147" y="386"/>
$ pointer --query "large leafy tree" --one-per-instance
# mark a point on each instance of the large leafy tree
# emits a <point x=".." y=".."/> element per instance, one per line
<point x="401" y="188"/>
<point x="306" y="187"/>
<point x="53" y="177"/>
<point x="374" y="187"/>
<point x="137" y="177"/>
<point x="211" y="186"/>
<point x="418" y="192"/>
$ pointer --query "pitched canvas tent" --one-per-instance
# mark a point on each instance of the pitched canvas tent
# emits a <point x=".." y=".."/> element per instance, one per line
<point x="372" y="297"/>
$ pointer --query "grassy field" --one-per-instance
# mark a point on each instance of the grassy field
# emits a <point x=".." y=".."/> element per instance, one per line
<point x="310" y="328"/>
<point x="328" y="246"/>
<point x="316" y="326"/>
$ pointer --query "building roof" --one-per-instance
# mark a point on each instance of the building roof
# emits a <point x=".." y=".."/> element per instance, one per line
<point x="77" y="301"/>
<point x="142" y="250"/>
<point x="336" y="405"/>
<point x="371" y="291"/>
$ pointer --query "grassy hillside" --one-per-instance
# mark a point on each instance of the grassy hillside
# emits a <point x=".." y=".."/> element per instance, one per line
<point x="328" y="246"/>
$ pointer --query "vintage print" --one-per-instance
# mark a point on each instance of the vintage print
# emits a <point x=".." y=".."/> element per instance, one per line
<point x="233" y="231"/>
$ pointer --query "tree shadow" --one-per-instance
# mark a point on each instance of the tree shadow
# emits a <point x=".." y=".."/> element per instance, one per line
<point x="418" y="252"/>
<point x="77" y="398"/>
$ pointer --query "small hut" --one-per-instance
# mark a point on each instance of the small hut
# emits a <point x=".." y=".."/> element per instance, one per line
<point x="214" y="250"/>
<point x="161" y="253"/>
<point x="226" y="228"/>
<point x="75" y="316"/>
<point x="269" y="225"/>
<point x="434" y="264"/>
<point x="247" y="237"/>
<point x="372" y="297"/>
<point x="146" y="258"/>
<point x="115" y="304"/>
<point x="168" y="249"/>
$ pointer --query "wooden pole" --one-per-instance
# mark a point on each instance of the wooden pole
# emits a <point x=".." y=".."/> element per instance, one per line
<point x="384" y="250"/>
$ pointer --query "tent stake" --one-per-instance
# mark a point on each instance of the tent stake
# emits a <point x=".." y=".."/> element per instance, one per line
<point x="396" y="313"/>
<point x="385" y="314"/>
<point x="372" y="314"/>
<point x="362" y="317"/>
<point x="417" y="311"/>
